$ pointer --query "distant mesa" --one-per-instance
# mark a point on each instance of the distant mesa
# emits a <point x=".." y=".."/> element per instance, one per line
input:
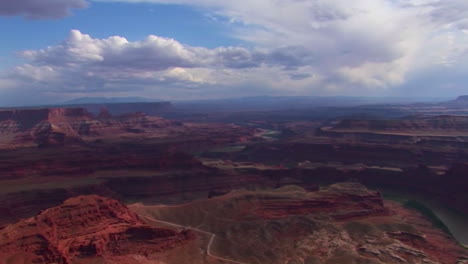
<point x="463" y="98"/>
<point x="60" y="126"/>
<point x="460" y="102"/>
<point x="119" y="105"/>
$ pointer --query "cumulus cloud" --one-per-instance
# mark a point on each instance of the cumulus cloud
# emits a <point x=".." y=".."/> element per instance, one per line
<point x="85" y="64"/>
<point x="296" y="47"/>
<point x="372" y="42"/>
<point x="82" y="60"/>
<point x="40" y="9"/>
<point x="80" y="49"/>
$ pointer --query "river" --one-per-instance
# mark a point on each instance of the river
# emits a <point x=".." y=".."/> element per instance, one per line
<point x="457" y="223"/>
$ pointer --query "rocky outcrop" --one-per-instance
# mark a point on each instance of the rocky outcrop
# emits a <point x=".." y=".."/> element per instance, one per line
<point x="341" y="223"/>
<point x="60" y="126"/>
<point x="86" y="227"/>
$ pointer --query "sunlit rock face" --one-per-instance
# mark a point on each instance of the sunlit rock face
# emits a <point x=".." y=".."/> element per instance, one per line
<point x="59" y="126"/>
<point x="85" y="227"/>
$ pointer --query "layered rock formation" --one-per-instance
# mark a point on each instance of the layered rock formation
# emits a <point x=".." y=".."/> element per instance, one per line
<point x="85" y="227"/>
<point x="59" y="126"/>
<point x="343" y="223"/>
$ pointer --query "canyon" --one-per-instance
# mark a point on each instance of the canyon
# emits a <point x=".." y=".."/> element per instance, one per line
<point x="296" y="191"/>
<point x="342" y="223"/>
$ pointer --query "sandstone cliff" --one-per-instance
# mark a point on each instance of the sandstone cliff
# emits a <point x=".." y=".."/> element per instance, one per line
<point x="82" y="228"/>
<point x="59" y="126"/>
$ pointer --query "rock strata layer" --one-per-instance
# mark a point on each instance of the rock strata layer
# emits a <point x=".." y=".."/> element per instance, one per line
<point x="85" y="227"/>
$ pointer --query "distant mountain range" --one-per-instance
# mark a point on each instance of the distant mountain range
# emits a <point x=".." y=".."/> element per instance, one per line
<point x="110" y="100"/>
<point x="263" y="101"/>
<point x="268" y="103"/>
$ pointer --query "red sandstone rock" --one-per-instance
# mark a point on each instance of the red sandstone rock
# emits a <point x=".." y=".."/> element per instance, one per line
<point x="59" y="126"/>
<point x="83" y="227"/>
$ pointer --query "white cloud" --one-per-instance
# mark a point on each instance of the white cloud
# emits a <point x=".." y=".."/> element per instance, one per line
<point x="81" y="61"/>
<point x="372" y="42"/>
<point x="299" y="47"/>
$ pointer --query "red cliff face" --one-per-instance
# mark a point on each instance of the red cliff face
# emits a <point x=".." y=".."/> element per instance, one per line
<point x="26" y="119"/>
<point x="60" y="126"/>
<point x="48" y="126"/>
<point x="85" y="227"/>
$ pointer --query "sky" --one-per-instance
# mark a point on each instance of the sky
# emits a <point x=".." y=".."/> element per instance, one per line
<point x="55" y="50"/>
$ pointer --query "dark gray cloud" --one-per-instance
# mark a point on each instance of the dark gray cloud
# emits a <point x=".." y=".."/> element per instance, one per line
<point x="447" y="12"/>
<point x="238" y="58"/>
<point x="40" y="9"/>
<point x="299" y="76"/>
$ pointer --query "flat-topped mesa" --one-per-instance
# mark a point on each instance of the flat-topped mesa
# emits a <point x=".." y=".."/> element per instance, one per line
<point x="460" y="102"/>
<point x="85" y="227"/>
<point x="463" y="98"/>
<point x="427" y="124"/>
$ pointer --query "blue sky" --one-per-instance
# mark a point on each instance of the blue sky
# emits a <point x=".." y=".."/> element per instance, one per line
<point x="188" y="25"/>
<point x="55" y="50"/>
